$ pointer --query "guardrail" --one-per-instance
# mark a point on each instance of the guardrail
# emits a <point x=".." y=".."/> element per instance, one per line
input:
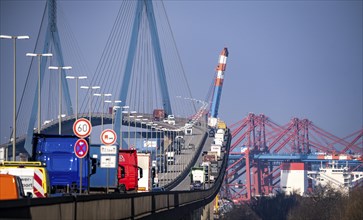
<point x="149" y="205"/>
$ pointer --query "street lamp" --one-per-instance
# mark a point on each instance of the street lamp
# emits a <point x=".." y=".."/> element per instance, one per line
<point x="60" y="68"/>
<point x="147" y="131"/>
<point x="113" y="108"/>
<point x="39" y="55"/>
<point x="76" y="78"/>
<point x="138" y="118"/>
<point x="103" y="104"/>
<point x="130" y="116"/>
<point x="14" y="38"/>
<point x="90" y="88"/>
<point x="121" y="120"/>
<point x="113" y="113"/>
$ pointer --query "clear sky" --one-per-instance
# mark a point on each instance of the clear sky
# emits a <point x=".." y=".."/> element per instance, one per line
<point x="287" y="58"/>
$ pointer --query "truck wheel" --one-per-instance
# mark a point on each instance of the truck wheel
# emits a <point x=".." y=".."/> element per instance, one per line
<point x="122" y="188"/>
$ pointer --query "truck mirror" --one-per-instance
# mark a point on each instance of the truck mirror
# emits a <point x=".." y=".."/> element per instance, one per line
<point x="140" y="171"/>
<point x="153" y="172"/>
<point x="93" y="165"/>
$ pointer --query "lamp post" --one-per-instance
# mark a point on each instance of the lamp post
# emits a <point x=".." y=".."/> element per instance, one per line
<point x="39" y="55"/>
<point x="14" y="38"/>
<point x="90" y="89"/>
<point x="138" y="118"/>
<point x="121" y="120"/>
<point x="147" y="132"/>
<point x="76" y="78"/>
<point x="130" y="116"/>
<point x="60" y="68"/>
<point x="144" y="123"/>
<point x="103" y="104"/>
<point x="113" y="113"/>
<point x="113" y="108"/>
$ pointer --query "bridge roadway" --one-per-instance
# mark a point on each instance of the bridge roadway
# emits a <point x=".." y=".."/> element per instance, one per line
<point x="176" y="204"/>
<point x="96" y="120"/>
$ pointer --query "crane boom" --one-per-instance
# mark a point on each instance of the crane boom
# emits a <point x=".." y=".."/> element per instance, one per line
<point x="218" y="84"/>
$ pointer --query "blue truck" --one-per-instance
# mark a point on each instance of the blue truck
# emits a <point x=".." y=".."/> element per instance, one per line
<point x="63" y="166"/>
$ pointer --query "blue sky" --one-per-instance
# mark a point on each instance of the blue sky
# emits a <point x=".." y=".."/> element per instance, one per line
<point x="287" y="58"/>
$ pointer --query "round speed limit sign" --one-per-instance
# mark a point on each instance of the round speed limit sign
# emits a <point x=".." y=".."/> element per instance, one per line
<point x="82" y="128"/>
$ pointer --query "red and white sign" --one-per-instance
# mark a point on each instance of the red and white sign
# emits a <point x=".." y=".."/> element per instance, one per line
<point x="81" y="148"/>
<point x="108" y="137"/>
<point x="82" y="128"/>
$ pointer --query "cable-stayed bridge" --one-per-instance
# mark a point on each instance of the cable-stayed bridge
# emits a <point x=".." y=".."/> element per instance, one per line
<point x="139" y="71"/>
<point x="139" y="66"/>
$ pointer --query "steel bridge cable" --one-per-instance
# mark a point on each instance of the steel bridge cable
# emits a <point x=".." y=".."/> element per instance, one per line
<point x="23" y="113"/>
<point x="73" y="53"/>
<point x="108" y="59"/>
<point x="114" y="56"/>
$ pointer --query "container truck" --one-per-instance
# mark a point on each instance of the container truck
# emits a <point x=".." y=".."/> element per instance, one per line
<point x="197" y="178"/>
<point x="216" y="148"/>
<point x="188" y="131"/>
<point x="212" y="154"/>
<point x="209" y="157"/>
<point x="128" y="171"/>
<point x="158" y="114"/>
<point x="170" y="155"/>
<point x="221" y="125"/>
<point x="145" y="181"/>
<point x="219" y="134"/>
<point x="56" y="152"/>
<point x="217" y="141"/>
<point x="121" y="178"/>
<point x="33" y="175"/>
<point x="214" y="171"/>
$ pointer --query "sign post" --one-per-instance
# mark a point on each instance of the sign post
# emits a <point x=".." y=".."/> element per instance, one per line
<point x="108" y="137"/>
<point x="81" y="128"/>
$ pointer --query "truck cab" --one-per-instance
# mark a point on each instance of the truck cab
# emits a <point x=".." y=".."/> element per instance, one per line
<point x="170" y="155"/>
<point x="11" y="187"/>
<point x="170" y="120"/>
<point x="57" y="152"/>
<point x="128" y="172"/>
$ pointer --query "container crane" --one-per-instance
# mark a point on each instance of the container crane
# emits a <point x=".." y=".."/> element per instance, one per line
<point x="218" y="83"/>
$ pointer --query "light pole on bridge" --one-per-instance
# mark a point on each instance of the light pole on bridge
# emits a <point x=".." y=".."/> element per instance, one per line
<point x="60" y="68"/>
<point x="39" y="55"/>
<point x="76" y="78"/>
<point x="103" y="104"/>
<point x="113" y="108"/>
<point x="138" y="118"/>
<point x="90" y="88"/>
<point x="14" y="38"/>
<point x="121" y="120"/>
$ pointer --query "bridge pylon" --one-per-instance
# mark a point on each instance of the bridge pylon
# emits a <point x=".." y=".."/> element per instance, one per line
<point x="144" y="8"/>
<point x="51" y="37"/>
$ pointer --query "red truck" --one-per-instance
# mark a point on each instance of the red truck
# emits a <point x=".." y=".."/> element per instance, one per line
<point x="159" y="114"/>
<point x="128" y="171"/>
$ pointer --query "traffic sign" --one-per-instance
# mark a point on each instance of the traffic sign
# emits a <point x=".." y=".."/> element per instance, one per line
<point x="108" y="137"/>
<point x="108" y="149"/>
<point x="82" y="128"/>
<point x="108" y="161"/>
<point x="81" y="148"/>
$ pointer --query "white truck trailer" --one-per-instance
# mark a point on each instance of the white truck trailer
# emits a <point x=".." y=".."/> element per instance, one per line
<point x="197" y="177"/>
<point x="144" y="161"/>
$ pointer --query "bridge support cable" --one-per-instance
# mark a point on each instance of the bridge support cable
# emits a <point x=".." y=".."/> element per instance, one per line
<point x="51" y="36"/>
